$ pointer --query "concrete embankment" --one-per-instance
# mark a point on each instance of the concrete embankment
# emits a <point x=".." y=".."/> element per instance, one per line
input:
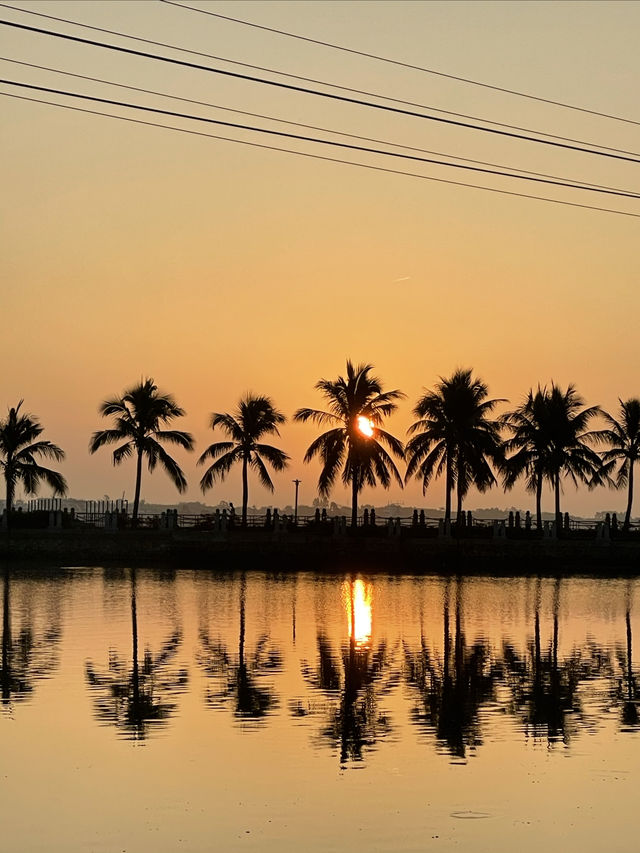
<point x="302" y="549"/>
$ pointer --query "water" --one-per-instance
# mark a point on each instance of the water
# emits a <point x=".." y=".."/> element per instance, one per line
<point x="169" y="711"/>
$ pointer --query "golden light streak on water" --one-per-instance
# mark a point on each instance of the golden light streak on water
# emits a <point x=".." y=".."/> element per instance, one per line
<point x="358" y="601"/>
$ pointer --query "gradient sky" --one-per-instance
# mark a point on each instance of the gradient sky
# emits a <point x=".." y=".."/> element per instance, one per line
<point x="217" y="268"/>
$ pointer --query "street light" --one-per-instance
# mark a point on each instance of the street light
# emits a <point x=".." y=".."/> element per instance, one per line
<point x="297" y="482"/>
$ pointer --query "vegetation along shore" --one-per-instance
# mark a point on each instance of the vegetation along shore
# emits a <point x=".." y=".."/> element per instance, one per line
<point x="458" y="434"/>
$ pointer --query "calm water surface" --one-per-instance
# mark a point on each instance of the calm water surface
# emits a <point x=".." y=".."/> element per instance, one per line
<point x="169" y="711"/>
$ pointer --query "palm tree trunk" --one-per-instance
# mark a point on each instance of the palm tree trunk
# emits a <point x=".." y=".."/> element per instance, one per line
<point x="558" y="515"/>
<point x="627" y="515"/>
<point x="446" y="634"/>
<point x="136" y="497"/>
<point x="243" y="597"/>
<point x="10" y="488"/>
<point x="245" y="491"/>
<point x="539" y="502"/>
<point x="449" y="488"/>
<point x="354" y="497"/>
<point x="459" y="508"/>
<point x="629" y="666"/>
<point x="6" y="639"/>
<point x="135" y="675"/>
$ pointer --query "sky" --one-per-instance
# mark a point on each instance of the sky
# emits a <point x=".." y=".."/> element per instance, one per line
<point x="219" y="268"/>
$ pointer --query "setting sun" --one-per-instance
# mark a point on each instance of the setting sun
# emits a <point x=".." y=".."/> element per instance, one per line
<point x="365" y="426"/>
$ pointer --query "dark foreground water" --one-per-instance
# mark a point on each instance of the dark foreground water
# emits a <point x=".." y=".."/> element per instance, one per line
<point x="152" y="711"/>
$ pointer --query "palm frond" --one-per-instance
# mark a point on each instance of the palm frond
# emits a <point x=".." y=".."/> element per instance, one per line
<point x="258" y="465"/>
<point x="214" y="450"/>
<point x="317" y="416"/>
<point x="177" y="437"/>
<point x="160" y="455"/>
<point x="220" y="468"/>
<point x="278" y="459"/>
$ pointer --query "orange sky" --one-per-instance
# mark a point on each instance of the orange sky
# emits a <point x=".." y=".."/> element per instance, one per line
<point x="219" y="268"/>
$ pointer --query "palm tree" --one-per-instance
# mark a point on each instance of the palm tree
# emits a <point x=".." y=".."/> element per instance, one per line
<point x="29" y="651"/>
<point x="139" y="415"/>
<point x="528" y="442"/>
<point x="624" y="437"/>
<point x="254" y="418"/>
<point x="454" y="435"/>
<point x="20" y="448"/>
<point x="245" y="678"/>
<point x="357" y="406"/>
<point x="568" y="453"/>
<point x="137" y="699"/>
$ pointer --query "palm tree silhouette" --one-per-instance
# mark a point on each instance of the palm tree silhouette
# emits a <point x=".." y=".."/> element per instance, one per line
<point x="529" y="445"/>
<point x="357" y="406"/>
<point x="628" y="686"/>
<point x="356" y="681"/>
<point x="241" y="677"/>
<point x="131" y="699"/>
<point x="254" y="418"/>
<point x="139" y="415"/>
<point x="20" y="448"/>
<point x="568" y="453"/>
<point x="546" y="689"/>
<point x="27" y="654"/>
<point x="452" y="688"/>
<point x="624" y="437"/>
<point x="454" y="435"/>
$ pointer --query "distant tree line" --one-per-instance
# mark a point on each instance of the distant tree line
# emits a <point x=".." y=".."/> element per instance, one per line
<point x="456" y="434"/>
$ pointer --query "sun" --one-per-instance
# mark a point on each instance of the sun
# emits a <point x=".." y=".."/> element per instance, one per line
<point x="365" y="426"/>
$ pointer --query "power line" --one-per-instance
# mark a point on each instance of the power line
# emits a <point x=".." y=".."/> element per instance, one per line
<point x="400" y="64"/>
<point x="293" y="76"/>
<point x="324" y="158"/>
<point x="300" y="138"/>
<point x="293" y="123"/>
<point x="304" y="90"/>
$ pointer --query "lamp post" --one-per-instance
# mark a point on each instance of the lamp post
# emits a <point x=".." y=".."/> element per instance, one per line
<point x="297" y="482"/>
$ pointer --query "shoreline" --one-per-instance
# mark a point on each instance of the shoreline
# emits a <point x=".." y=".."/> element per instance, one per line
<point x="302" y="550"/>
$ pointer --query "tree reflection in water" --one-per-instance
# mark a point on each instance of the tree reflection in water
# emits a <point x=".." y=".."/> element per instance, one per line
<point x="452" y="688"/>
<point x="355" y="681"/>
<point x="240" y="680"/>
<point x="546" y="690"/>
<point x="627" y="691"/>
<point x="28" y="654"/>
<point x="144" y="696"/>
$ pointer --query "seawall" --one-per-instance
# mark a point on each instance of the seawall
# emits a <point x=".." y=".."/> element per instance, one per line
<point x="303" y="549"/>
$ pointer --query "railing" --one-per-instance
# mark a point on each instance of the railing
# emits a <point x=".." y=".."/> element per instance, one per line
<point x="416" y="524"/>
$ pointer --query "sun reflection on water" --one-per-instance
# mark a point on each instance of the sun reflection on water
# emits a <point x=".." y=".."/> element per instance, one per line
<point x="358" y="601"/>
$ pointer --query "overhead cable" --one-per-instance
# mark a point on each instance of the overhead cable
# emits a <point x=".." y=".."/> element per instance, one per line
<point x="315" y="140"/>
<point x="399" y="63"/>
<point x="324" y="158"/>
<point x="288" y="74"/>
<point x="566" y="142"/>
<point x="294" y="123"/>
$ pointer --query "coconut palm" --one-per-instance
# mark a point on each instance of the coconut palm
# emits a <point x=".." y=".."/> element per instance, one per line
<point x="254" y="418"/>
<point x="20" y="448"/>
<point x="246" y="678"/>
<point x="452" y="687"/>
<point x="528" y="444"/>
<point x="454" y="435"/>
<point x="624" y="437"/>
<point x="142" y="697"/>
<point x="357" y="406"/>
<point x="139" y="415"/>
<point x="568" y="454"/>
<point x="29" y="652"/>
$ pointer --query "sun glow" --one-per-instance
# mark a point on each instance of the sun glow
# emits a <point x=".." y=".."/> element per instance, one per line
<point x="358" y="600"/>
<point x="365" y="426"/>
